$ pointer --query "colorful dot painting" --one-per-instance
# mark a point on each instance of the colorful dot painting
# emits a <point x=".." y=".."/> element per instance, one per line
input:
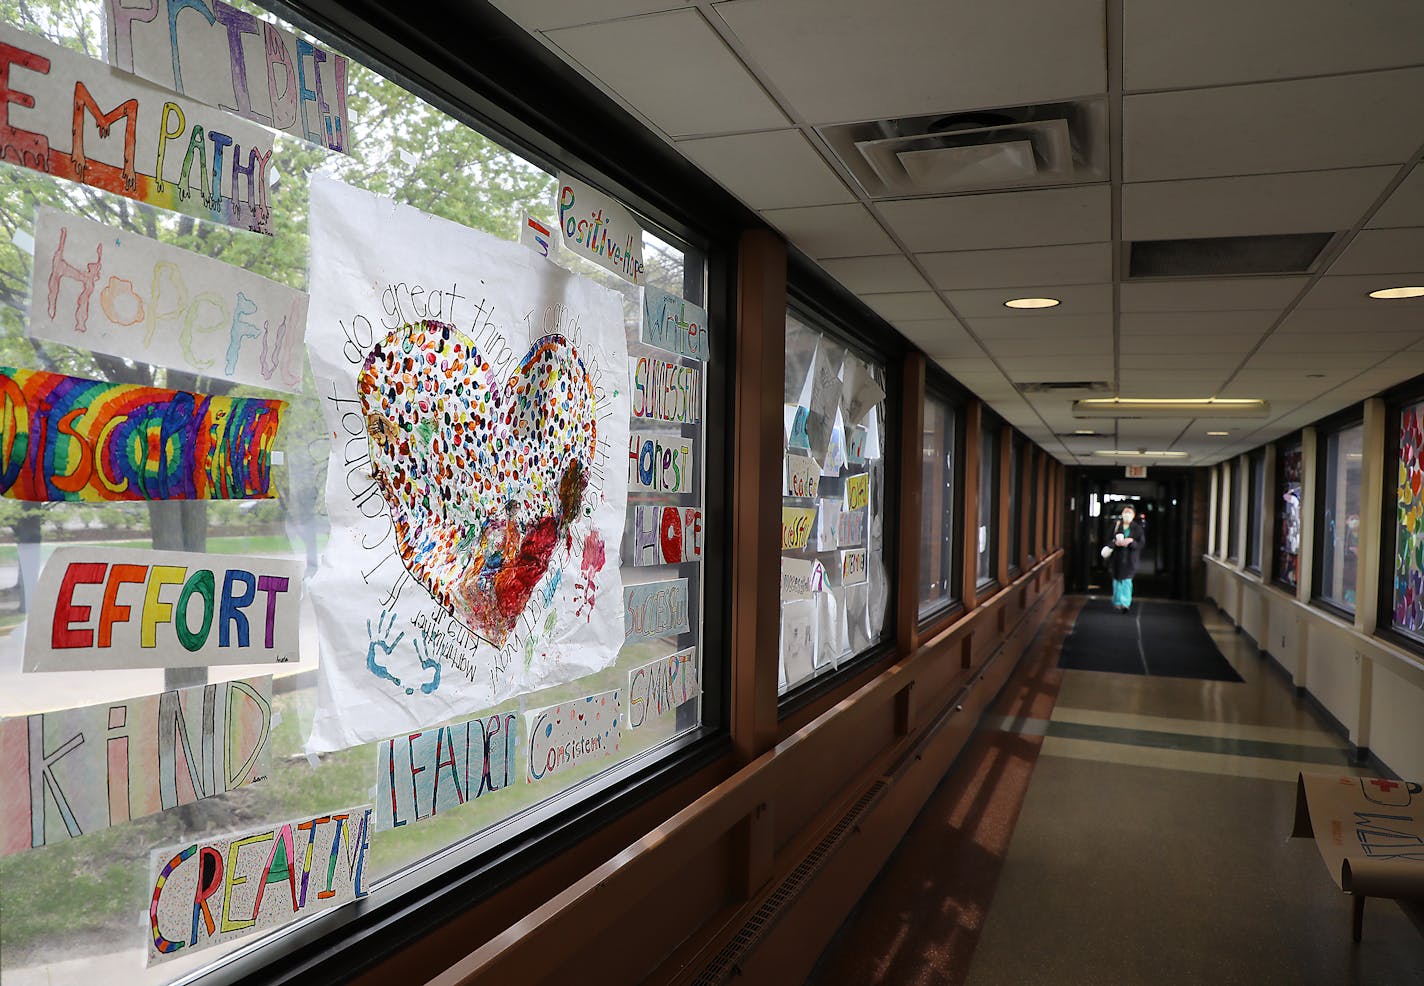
<point x="1288" y="550"/>
<point x="484" y="479"/>
<point x="1409" y="541"/>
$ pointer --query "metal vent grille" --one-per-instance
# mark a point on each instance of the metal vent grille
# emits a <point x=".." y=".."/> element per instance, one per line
<point x="1054" y="386"/>
<point x="1224" y="256"/>
<point x="726" y="962"/>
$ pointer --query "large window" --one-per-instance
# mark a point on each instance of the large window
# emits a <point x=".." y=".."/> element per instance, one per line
<point x="1408" y="566"/>
<point x="481" y="586"/>
<point x="1016" y="451"/>
<point x="1340" y="516"/>
<point x="1222" y="522"/>
<point x="988" y="504"/>
<point x="938" y="543"/>
<point x="1255" y="506"/>
<point x="1235" y="511"/>
<point x="1289" y="470"/>
<point x="833" y="575"/>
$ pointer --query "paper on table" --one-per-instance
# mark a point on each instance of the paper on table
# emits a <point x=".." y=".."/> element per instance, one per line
<point x="1370" y="832"/>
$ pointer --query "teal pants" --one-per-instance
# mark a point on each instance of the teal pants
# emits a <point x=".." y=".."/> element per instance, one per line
<point x="1122" y="592"/>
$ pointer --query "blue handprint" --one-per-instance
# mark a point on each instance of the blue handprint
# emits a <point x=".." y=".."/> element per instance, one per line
<point x="379" y="643"/>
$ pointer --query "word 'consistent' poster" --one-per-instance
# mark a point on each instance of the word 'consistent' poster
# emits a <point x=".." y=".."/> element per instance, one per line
<point x="98" y="608"/>
<point x="76" y="771"/>
<point x="478" y="401"/>
<point x="112" y="291"/>
<point x="564" y="736"/>
<point x="78" y="119"/>
<point x="65" y="438"/>
<point x="212" y="891"/>
<point x="428" y="771"/>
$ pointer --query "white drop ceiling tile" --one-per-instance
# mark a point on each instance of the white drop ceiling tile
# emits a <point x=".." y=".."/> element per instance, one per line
<point x="1041" y="217"/>
<point x="1168" y="44"/>
<point x="1337" y="122"/>
<point x="1183" y="385"/>
<point x="1352" y="291"/>
<point x="1315" y="362"/>
<point x="1166" y="347"/>
<point x="1405" y="205"/>
<point x="844" y="60"/>
<point x="1211" y="360"/>
<point x="1282" y="341"/>
<point x="1076" y="263"/>
<point x="1067" y="326"/>
<point x="832" y="230"/>
<point x="1056" y="367"/>
<point x="907" y="305"/>
<point x="1381" y="316"/>
<point x="1210" y="295"/>
<point x="543" y="15"/>
<point x="1304" y="202"/>
<point x="673" y="69"/>
<point x="1097" y="348"/>
<point x="776" y="170"/>
<point x="876" y="275"/>
<point x="1243" y="323"/>
<point x="1032" y="373"/>
<point x="1382" y="251"/>
<point x="1074" y="299"/>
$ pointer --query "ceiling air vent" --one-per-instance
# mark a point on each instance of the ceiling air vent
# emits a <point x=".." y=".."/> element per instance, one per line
<point x="1059" y="386"/>
<point x="1223" y="256"/>
<point x="1048" y="144"/>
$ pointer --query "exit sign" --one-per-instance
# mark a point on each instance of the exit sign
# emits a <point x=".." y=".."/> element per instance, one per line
<point x="1136" y="472"/>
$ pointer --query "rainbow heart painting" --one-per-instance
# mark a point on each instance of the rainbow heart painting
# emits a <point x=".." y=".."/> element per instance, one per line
<point x="477" y="401"/>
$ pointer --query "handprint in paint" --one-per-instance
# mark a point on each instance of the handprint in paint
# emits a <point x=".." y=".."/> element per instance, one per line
<point x="381" y="648"/>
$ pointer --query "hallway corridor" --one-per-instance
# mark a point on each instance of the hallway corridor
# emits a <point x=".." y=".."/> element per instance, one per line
<point x="1119" y="828"/>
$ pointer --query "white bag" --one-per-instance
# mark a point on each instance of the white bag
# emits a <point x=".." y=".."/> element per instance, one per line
<point x="1107" y="551"/>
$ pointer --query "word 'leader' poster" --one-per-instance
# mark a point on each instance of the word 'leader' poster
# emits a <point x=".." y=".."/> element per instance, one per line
<point x="477" y="400"/>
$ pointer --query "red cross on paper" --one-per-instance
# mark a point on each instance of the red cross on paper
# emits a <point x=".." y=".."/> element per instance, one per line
<point x="1385" y="785"/>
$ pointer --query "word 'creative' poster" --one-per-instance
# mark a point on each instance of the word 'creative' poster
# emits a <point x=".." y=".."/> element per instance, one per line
<point x="75" y="771"/>
<point x="75" y="118"/>
<point x="477" y="400"/>
<point x="112" y="291"/>
<point x="102" y="608"/>
<point x="213" y="890"/>
<point x="66" y="438"/>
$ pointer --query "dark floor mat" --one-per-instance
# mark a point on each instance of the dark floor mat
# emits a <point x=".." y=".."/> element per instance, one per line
<point x="1163" y="639"/>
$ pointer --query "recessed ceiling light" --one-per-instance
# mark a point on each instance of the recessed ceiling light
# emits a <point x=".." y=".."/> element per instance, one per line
<point x="1046" y="302"/>
<point x="1404" y="292"/>
<point x="1170" y="407"/>
<point x="1218" y="434"/>
<point x="1085" y="431"/>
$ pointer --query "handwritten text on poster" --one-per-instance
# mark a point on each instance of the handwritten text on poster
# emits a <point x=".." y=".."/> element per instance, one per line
<point x="655" y="609"/>
<point x="659" y="687"/>
<point x="666" y="535"/>
<point x="563" y="736"/>
<point x="674" y="325"/>
<point x="423" y="773"/>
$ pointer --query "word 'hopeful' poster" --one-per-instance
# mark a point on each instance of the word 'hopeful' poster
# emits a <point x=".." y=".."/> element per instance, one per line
<point x="75" y="118"/>
<point x="75" y="771"/>
<point x="477" y="400"/>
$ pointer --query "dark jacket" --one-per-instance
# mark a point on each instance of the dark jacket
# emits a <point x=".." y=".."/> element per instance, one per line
<point x="1123" y="561"/>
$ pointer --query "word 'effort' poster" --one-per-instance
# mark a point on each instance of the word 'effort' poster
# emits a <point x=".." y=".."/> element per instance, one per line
<point x="477" y="400"/>
<point x="72" y="772"/>
<point x="99" y="608"/>
<point x="76" y="118"/>
<point x="214" y="890"/>
<point x="66" y="438"/>
<point x="112" y="291"/>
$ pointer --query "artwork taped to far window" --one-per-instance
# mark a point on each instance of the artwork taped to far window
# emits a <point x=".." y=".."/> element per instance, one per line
<point x="833" y="575"/>
<point x="1408" y="568"/>
<point x="1289" y="492"/>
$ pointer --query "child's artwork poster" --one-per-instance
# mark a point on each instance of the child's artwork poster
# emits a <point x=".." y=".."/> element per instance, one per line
<point x="801" y="577"/>
<point x="477" y="399"/>
<point x="796" y="418"/>
<point x="425" y="772"/>
<point x="652" y="610"/>
<point x="68" y="773"/>
<point x="235" y="61"/>
<point x="857" y="491"/>
<point x="828" y="524"/>
<point x="856" y="440"/>
<point x="796" y="525"/>
<point x="830" y="627"/>
<point x="576" y="732"/>
<point x="666" y="535"/>
<point x="112" y="291"/>
<point x="659" y="463"/>
<point x="803" y="476"/>
<point x="78" y="119"/>
<point x="104" y="608"/>
<point x="852" y="527"/>
<point x="822" y="397"/>
<point x="665" y="391"/>
<point x="214" y="890"/>
<point x="854" y="567"/>
<point x="597" y="227"/>
<point x="535" y="235"/>
<point x="859" y="391"/>
<point x="674" y="325"/>
<point x="798" y="639"/>
<point x="1369" y="830"/>
<point x="66" y="438"/>
<point x="656" y="689"/>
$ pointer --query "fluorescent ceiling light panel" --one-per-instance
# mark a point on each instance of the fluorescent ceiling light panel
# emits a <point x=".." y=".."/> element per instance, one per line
<point x="1168" y="407"/>
<point x="1118" y="453"/>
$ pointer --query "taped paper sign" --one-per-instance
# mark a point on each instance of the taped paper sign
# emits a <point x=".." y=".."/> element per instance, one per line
<point x="855" y="445"/>
<point x="64" y="438"/>
<point x="212" y="891"/>
<point x="830" y="627"/>
<point x="828" y="525"/>
<point x="673" y="325"/>
<point x="477" y="399"/>
<point x="666" y="535"/>
<point x="659" y="687"/>
<point x="798" y="639"/>
<point x="859" y="391"/>
<point x="665" y="391"/>
<point x="803" y="476"/>
<point x="562" y="737"/>
<point x="535" y="235"/>
<point x="99" y="607"/>
<point x="796" y="420"/>
<point x="598" y="228"/>
<point x="854" y="569"/>
<point x="796" y="527"/>
<point x="835" y="452"/>
<point x="655" y="609"/>
<point x="228" y="58"/>
<point x="76" y="771"/>
<point x="659" y="463"/>
<point x="852" y="528"/>
<point x="801" y="577"/>
<point x="824" y="399"/>
<point x="428" y="771"/>
<point x="163" y="305"/>
<point x="857" y="491"/>
<point x="78" y="119"/>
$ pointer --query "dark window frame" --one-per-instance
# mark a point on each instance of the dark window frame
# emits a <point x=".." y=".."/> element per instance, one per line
<point x="1235" y="549"/>
<point x="1350" y="417"/>
<point x="1283" y="447"/>
<point x="991" y="429"/>
<point x="1255" y="509"/>
<point x="1014" y="488"/>
<point x="940" y="386"/>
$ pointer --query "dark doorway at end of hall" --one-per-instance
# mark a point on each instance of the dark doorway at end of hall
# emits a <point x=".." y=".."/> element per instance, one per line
<point x="1174" y="522"/>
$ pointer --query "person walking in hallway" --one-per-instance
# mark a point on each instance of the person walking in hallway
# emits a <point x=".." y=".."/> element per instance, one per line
<point x="1127" y="542"/>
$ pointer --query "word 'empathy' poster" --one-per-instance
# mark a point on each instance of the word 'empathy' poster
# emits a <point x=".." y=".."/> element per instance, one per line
<point x="477" y="400"/>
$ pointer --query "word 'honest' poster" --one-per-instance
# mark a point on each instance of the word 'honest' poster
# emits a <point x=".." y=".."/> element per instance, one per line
<point x="478" y="402"/>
